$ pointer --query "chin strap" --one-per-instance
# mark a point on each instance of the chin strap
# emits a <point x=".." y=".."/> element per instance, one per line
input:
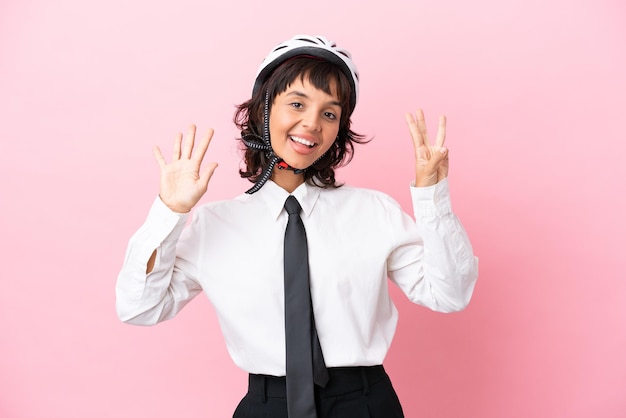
<point x="274" y="161"/>
<point x="282" y="165"/>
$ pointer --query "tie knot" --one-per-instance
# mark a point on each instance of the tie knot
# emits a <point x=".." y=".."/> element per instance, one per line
<point x="292" y="206"/>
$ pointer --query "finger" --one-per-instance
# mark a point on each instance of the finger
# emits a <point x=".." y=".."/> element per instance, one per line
<point x="177" y="143"/>
<point x="207" y="174"/>
<point x="189" y="140"/>
<point x="200" y="151"/>
<point x="441" y="132"/>
<point x="414" y="130"/>
<point x="159" y="157"/>
<point x="421" y="124"/>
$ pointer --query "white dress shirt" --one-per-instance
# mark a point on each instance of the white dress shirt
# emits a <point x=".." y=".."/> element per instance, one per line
<point x="233" y="251"/>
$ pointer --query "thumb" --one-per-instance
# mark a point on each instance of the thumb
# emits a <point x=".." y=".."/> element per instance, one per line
<point x="438" y="156"/>
<point x="207" y="174"/>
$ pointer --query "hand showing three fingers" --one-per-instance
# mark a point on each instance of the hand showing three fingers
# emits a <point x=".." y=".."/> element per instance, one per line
<point x="431" y="161"/>
<point x="182" y="185"/>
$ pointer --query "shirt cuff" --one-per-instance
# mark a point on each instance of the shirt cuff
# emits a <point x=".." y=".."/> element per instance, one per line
<point x="163" y="216"/>
<point x="162" y="227"/>
<point x="432" y="200"/>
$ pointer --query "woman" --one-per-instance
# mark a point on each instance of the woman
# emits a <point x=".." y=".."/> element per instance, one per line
<point x="243" y="255"/>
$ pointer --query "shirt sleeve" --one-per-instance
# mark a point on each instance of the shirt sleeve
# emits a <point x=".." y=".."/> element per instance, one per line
<point x="146" y="299"/>
<point x="433" y="262"/>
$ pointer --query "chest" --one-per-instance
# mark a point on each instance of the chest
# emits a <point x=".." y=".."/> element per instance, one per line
<point x="247" y="255"/>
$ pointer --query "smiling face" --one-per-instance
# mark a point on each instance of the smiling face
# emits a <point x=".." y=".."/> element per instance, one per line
<point x="304" y="122"/>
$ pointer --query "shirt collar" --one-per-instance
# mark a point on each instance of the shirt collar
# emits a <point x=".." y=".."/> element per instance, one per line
<point x="275" y="196"/>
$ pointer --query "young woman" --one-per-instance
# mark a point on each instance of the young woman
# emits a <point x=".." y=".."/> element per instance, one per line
<point x="296" y="131"/>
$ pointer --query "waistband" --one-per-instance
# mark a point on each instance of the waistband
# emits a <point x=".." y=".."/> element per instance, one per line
<point x="342" y="380"/>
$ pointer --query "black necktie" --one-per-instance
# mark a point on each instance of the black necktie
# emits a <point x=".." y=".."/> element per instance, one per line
<point x="305" y="363"/>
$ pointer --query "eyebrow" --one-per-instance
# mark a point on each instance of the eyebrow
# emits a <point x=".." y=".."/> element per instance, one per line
<point x="301" y="94"/>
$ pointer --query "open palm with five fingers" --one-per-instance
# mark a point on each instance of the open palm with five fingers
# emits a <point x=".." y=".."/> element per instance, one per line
<point x="182" y="184"/>
<point x="431" y="161"/>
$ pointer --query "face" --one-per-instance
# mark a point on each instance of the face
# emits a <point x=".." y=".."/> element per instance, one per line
<point x="304" y="122"/>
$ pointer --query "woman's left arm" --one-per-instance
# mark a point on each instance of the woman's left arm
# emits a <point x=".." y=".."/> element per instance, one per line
<point x="433" y="262"/>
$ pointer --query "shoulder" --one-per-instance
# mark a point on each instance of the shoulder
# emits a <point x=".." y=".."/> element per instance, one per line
<point x="227" y="208"/>
<point x="346" y="191"/>
<point x="360" y="197"/>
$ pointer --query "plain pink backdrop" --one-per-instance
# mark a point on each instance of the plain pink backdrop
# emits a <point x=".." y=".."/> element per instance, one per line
<point x="535" y="95"/>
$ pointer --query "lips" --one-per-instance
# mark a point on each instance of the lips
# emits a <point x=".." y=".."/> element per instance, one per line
<point x="302" y="141"/>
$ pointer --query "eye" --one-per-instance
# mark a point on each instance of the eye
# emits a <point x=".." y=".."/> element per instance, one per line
<point x="296" y="105"/>
<point x="330" y="115"/>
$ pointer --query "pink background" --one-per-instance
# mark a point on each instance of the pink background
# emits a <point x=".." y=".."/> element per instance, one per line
<point x="534" y="91"/>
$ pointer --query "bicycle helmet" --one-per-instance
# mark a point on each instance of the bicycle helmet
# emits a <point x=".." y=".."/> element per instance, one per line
<point x="316" y="46"/>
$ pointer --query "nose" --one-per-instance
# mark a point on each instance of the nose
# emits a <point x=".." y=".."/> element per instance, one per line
<point x="311" y="120"/>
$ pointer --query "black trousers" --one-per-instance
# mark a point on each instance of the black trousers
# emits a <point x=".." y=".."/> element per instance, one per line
<point x="352" y="392"/>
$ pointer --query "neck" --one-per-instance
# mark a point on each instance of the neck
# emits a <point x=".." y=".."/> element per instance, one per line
<point x="287" y="179"/>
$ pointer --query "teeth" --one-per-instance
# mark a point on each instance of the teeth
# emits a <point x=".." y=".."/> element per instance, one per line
<point x="302" y="141"/>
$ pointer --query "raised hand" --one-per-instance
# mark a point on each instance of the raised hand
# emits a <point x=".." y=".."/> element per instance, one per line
<point x="431" y="161"/>
<point x="182" y="185"/>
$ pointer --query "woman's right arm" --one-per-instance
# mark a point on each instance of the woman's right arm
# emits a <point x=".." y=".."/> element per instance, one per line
<point x="155" y="283"/>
